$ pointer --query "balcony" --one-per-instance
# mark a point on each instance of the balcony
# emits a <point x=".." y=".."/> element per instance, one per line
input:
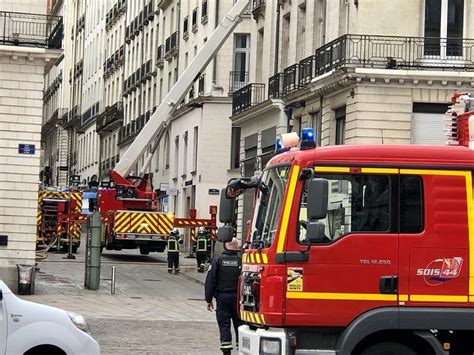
<point x="110" y="118"/>
<point x="275" y="86"/>
<point x="258" y="8"/>
<point x="160" y="56"/>
<point x="290" y="79"/>
<point x="194" y="20"/>
<point x="237" y="80"/>
<point x="204" y="17"/>
<point x="201" y="85"/>
<point x="247" y="97"/>
<point x="171" y="46"/>
<point x="186" y="27"/>
<point x="390" y="52"/>
<point x="31" y="30"/>
<point x="132" y="129"/>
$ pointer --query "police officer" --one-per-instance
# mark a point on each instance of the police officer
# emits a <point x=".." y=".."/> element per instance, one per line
<point x="174" y="240"/>
<point x="221" y="284"/>
<point x="202" y="242"/>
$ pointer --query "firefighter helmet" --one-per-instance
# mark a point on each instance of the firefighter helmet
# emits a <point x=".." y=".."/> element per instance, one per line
<point x="174" y="232"/>
<point x="202" y="230"/>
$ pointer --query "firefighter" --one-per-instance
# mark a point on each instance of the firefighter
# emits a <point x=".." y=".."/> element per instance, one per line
<point x="174" y="240"/>
<point x="202" y="242"/>
<point x="221" y="284"/>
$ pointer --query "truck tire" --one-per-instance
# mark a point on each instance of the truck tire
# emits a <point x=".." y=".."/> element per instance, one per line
<point x="388" y="348"/>
<point x="144" y="251"/>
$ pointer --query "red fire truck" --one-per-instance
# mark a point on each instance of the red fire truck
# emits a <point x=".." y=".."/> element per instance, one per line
<point x="359" y="250"/>
<point x="129" y="210"/>
<point x="59" y="214"/>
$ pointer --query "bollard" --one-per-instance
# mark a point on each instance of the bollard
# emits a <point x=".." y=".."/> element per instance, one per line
<point x="92" y="276"/>
<point x="112" y="283"/>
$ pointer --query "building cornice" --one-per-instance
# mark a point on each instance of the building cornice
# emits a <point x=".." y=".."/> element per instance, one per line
<point x="337" y="79"/>
<point x="201" y="100"/>
<point x="265" y="107"/>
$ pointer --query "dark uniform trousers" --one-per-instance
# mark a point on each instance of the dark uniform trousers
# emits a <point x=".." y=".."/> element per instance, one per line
<point x="226" y="311"/>
<point x="221" y="284"/>
<point x="201" y="257"/>
<point x="173" y="260"/>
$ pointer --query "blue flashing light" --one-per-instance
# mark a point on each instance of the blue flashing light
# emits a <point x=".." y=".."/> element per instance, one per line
<point x="308" y="138"/>
<point x="279" y="147"/>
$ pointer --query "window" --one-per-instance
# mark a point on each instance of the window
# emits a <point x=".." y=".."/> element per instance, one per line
<point x="194" y="20"/>
<point x="316" y="123"/>
<point x="204" y="11"/>
<point x="241" y="61"/>
<point x="411" y="204"/>
<point x="340" y="116"/>
<point x="185" y="26"/>
<point x="268" y="207"/>
<point x="444" y="24"/>
<point x="356" y="203"/>
<point x="185" y="153"/>
<point x="195" y="148"/>
<point x="235" y="148"/>
<point x="176" y="157"/>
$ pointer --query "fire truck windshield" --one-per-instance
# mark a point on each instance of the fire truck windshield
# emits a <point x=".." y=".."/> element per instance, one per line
<point x="268" y="206"/>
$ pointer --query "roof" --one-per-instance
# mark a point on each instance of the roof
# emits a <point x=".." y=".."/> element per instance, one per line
<point x="382" y="155"/>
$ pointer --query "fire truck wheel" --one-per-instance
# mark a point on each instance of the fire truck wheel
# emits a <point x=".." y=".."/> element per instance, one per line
<point x="388" y="348"/>
<point x="144" y="251"/>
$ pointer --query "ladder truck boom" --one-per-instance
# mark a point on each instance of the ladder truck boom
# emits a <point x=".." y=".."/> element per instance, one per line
<point x="160" y="119"/>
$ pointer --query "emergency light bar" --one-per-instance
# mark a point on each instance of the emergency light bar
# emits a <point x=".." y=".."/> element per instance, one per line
<point x="286" y="141"/>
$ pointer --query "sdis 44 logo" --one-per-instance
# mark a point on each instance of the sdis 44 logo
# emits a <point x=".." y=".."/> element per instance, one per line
<point x="441" y="270"/>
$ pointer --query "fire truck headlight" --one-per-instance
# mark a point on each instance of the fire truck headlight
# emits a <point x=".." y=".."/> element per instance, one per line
<point x="270" y="346"/>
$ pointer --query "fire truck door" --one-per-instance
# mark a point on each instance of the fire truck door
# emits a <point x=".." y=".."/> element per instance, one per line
<point x="355" y="267"/>
<point x="434" y="237"/>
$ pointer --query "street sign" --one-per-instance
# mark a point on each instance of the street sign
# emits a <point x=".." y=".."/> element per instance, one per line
<point x="75" y="178"/>
<point x="63" y="168"/>
<point x="213" y="191"/>
<point x="172" y="191"/>
<point x="28" y="149"/>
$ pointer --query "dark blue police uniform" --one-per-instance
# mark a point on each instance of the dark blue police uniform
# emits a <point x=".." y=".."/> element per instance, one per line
<point x="221" y="284"/>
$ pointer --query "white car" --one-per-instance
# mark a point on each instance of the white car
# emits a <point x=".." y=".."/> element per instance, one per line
<point x="32" y="329"/>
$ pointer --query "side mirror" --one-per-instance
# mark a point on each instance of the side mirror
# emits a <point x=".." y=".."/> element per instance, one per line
<point x="315" y="232"/>
<point x="317" y="199"/>
<point x="225" y="234"/>
<point x="1" y="295"/>
<point x="236" y="187"/>
<point x="226" y="208"/>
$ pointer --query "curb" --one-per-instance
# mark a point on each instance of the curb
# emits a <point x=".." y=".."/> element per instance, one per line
<point x="191" y="277"/>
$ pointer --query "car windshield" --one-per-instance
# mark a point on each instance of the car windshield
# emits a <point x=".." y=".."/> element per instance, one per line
<point x="268" y="206"/>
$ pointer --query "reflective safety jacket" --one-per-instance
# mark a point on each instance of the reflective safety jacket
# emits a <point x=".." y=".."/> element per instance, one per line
<point x="173" y="243"/>
<point x="202" y="241"/>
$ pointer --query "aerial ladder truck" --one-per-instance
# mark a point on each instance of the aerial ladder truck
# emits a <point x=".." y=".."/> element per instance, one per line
<point x="129" y="211"/>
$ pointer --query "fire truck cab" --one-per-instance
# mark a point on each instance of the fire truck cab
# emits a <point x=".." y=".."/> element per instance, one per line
<point x="358" y="250"/>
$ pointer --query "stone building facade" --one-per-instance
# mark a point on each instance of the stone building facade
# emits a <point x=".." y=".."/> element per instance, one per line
<point x="24" y="58"/>
<point x="357" y="71"/>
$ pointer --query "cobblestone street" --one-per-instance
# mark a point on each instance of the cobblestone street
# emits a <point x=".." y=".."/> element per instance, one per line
<point x="152" y="311"/>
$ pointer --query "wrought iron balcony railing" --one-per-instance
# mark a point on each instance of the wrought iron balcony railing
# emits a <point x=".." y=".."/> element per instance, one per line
<point x="201" y="85"/>
<point x="112" y="115"/>
<point x="275" y="86"/>
<point x="237" y="80"/>
<point x="290" y="79"/>
<point x="31" y="30"/>
<point x="247" y="97"/>
<point x="395" y="53"/>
